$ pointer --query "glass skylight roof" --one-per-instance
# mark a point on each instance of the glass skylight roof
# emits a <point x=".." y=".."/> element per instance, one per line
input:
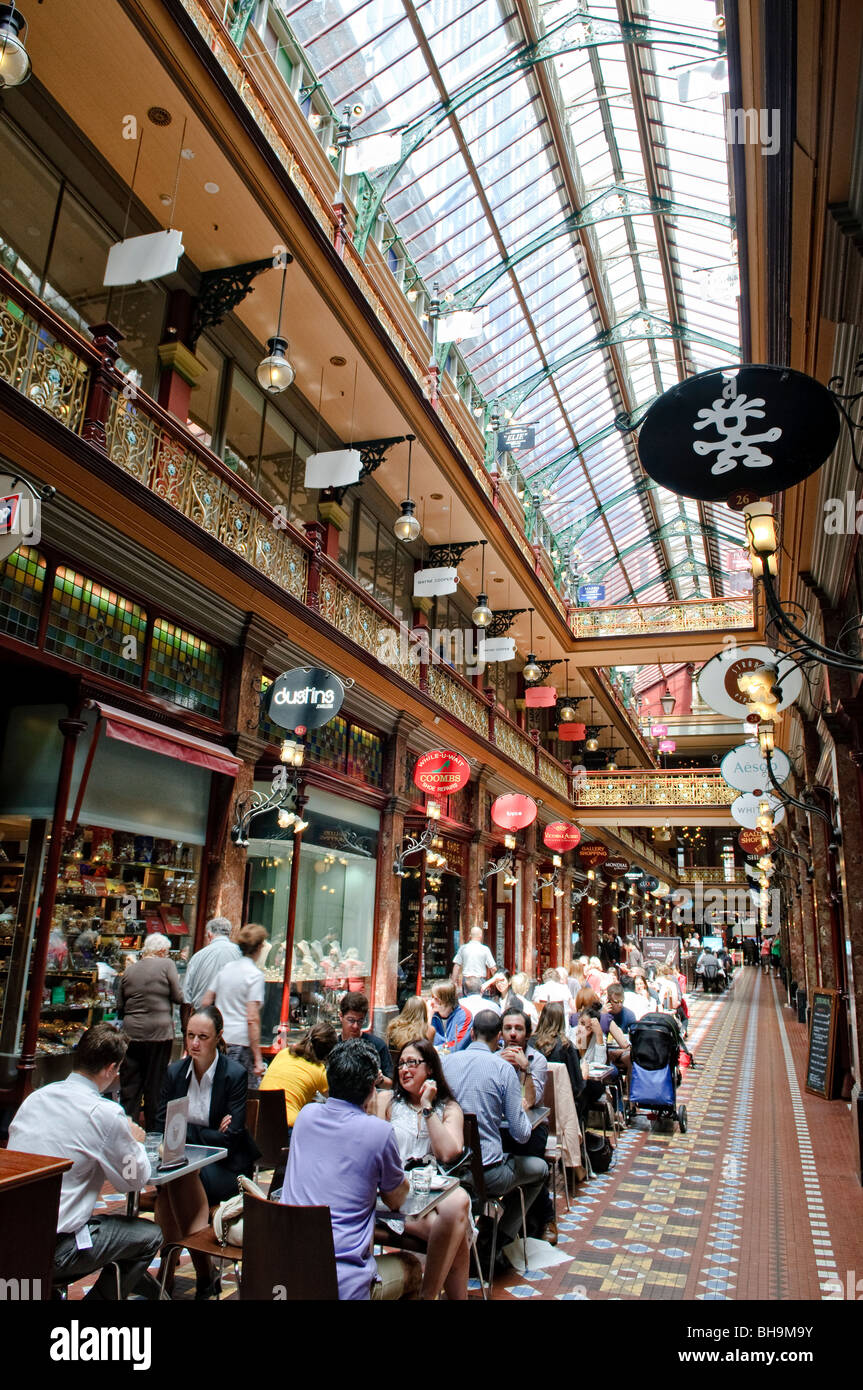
<point x="488" y="180"/>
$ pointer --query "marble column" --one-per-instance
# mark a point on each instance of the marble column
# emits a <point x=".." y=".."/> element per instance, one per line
<point x="388" y="904"/>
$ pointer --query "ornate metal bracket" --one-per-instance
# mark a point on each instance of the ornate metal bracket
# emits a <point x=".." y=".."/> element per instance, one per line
<point x="495" y="866"/>
<point x="448" y="554"/>
<point x="348" y="839"/>
<point x="545" y="666"/>
<point x="372" y="452"/>
<point x="222" y="290"/>
<point x="810" y="806"/>
<point x="503" y="621"/>
<point x="257" y="804"/>
<point x="843" y="400"/>
<point x="551" y="881"/>
<point x="413" y="846"/>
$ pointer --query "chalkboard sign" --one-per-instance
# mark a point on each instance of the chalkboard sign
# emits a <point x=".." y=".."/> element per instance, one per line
<point x="655" y="950"/>
<point x="822" y="1042"/>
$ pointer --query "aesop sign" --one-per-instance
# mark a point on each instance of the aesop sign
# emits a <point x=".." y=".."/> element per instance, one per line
<point x="306" y="698"/>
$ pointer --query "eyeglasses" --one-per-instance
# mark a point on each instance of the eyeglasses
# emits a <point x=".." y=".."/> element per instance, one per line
<point x="412" y="1063"/>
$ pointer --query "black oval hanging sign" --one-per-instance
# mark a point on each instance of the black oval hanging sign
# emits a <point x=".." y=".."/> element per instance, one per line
<point x="306" y="698"/>
<point x="734" y="430"/>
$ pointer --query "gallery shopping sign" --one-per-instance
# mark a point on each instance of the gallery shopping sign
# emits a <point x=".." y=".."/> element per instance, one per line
<point x="440" y="773"/>
<point x="306" y="698"/>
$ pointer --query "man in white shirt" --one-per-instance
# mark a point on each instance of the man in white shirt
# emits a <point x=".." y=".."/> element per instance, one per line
<point x="473" y="999"/>
<point x="473" y="959"/>
<point x="217" y="952"/>
<point x="72" y="1119"/>
<point x="238" y="992"/>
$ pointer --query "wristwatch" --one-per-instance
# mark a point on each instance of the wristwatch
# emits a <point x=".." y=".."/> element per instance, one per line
<point x="427" y="1110"/>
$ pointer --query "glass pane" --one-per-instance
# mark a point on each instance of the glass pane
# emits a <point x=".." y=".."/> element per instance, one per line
<point x="27" y="203"/>
<point x="243" y="427"/>
<point x="204" y="401"/>
<point x="277" y="458"/>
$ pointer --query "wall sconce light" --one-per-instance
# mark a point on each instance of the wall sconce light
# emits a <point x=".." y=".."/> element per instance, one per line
<point x="433" y="809"/>
<point x="509" y="840"/>
<point x="292" y="752"/>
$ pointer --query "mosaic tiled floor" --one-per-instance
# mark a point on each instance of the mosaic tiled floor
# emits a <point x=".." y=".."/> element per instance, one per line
<point x="757" y="1200"/>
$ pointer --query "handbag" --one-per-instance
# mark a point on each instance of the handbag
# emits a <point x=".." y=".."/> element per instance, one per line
<point x="228" y="1216"/>
<point x="599" y="1151"/>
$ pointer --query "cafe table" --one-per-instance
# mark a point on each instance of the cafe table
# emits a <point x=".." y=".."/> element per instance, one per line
<point x="198" y="1156"/>
<point x="417" y="1204"/>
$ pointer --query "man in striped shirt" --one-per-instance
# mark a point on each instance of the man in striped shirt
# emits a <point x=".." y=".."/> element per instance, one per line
<point x="487" y="1086"/>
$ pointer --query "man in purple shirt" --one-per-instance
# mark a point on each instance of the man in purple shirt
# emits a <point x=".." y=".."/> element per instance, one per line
<point x="342" y="1158"/>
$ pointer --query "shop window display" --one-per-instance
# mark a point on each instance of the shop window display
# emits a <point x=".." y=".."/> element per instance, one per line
<point x="114" y="888"/>
<point x="334" y="917"/>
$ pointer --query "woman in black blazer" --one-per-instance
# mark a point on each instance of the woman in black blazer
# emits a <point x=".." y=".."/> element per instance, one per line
<point x="217" y="1088"/>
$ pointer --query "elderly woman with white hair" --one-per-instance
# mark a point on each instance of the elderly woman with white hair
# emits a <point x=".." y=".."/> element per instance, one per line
<point x="146" y="994"/>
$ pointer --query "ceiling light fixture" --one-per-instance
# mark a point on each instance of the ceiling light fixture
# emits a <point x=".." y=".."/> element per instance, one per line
<point x="482" y="614"/>
<point x="406" y="526"/>
<point x="275" y="373"/>
<point x="15" y="63"/>
<point x="531" y="671"/>
<point x="567" y="711"/>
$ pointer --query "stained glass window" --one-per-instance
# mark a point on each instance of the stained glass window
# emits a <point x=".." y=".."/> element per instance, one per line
<point x="185" y="669"/>
<point x="22" y="583"/>
<point x="94" y="627"/>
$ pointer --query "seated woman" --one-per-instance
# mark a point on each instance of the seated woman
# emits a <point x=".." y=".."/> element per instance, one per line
<point x="299" y="1069"/>
<point x="592" y="1047"/>
<point x="449" y="1028"/>
<point x="639" y="999"/>
<point x="217" y="1088"/>
<point x="412" y="1022"/>
<point x="552" y="1041"/>
<point x="519" y="986"/>
<point x="428" y="1121"/>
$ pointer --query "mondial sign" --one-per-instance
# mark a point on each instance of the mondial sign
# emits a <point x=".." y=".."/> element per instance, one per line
<point x="306" y="698"/>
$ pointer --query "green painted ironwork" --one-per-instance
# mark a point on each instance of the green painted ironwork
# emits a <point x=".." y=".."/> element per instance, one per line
<point x="680" y="526"/>
<point x="618" y="201"/>
<point x="621" y="424"/>
<point x="573" y="534"/>
<point x="682" y="570"/>
<point x="576" y="32"/>
<point x="241" y="21"/>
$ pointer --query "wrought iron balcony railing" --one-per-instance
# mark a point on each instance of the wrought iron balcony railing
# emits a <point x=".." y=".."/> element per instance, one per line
<point x="690" y="787"/>
<point x="647" y="619"/>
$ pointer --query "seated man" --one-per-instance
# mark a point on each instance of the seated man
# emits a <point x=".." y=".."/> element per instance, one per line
<point x="70" y="1119"/>
<point x="708" y="967"/>
<point x="615" y="1023"/>
<point x="532" y="1071"/>
<point x="473" y="999"/>
<point x="485" y="1085"/>
<point x="341" y="1158"/>
<point x="354" y="1009"/>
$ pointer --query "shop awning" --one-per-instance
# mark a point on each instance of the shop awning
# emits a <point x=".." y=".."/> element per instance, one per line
<point x="170" y="743"/>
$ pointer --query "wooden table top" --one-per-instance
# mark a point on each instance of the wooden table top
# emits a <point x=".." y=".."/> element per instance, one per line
<point x="17" y="1169"/>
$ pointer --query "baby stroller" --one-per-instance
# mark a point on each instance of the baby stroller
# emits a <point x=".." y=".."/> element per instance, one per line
<point x="712" y="977"/>
<point x="655" y="1042"/>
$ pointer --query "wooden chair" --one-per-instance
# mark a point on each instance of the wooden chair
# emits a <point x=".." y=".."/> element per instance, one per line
<point x="553" y="1147"/>
<point x="486" y="1204"/>
<point x="271" y="1127"/>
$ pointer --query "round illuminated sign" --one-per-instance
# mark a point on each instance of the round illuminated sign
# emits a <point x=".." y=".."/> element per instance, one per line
<point x="738" y="429"/>
<point x="717" y="679"/>
<point x="745" y="769"/>
<point x="745" y="809"/>
<point x="614" y="867"/>
<point x="649" y="883"/>
<point x="441" y="773"/>
<point x="561" y="836"/>
<point x="307" y="698"/>
<point x="513" y="811"/>
<point x="593" y="854"/>
<point x="750" y="841"/>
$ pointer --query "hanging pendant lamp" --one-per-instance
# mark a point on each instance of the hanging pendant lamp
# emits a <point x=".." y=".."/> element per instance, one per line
<point x="406" y="526"/>
<point x="482" y="614"/>
<point x="531" y="670"/>
<point x="275" y="372"/>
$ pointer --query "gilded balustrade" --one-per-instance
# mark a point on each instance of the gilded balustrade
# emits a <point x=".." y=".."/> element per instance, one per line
<point x="461" y="700"/>
<point x="552" y="774"/>
<point x="644" y="619"/>
<point x="710" y="874"/>
<point x="515" y="744"/>
<point x="174" y="471"/>
<point x="42" y="367"/>
<point x="695" y="788"/>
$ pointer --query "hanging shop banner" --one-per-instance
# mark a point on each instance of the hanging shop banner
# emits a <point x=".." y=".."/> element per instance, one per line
<point x="540" y="696"/>
<point x="746" y="809"/>
<point x="147" y="257"/>
<point x="634" y="874"/>
<point x="375" y="152"/>
<point x="750" y="841"/>
<point x="492" y="649"/>
<point x="561" y="836"/>
<point x="661" y="890"/>
<point x="649" y="884"/>
<point x="307" y="698"/>
<point x="591" y="593"/>
<point x="745" y="769"/>
<point x="513" y="811"/>
<point x="615" y="867"/>
<point x="739" y="429"/>
<point x="20" y="519"/>
<point x="336" y="468"/>
<point x="441" y="773"/>
<point x="571" y="733"/>
<point x="593" y="854"/>
<point x="515" y="437"/>
<point x="658" y="730"/>
<point x="431" y="583"/>
<point x="717" y="679"/>
<point x="464" y="323"/>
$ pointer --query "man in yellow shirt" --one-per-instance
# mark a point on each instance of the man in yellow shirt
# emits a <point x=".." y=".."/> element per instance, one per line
<point x="299" y="1070"/>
